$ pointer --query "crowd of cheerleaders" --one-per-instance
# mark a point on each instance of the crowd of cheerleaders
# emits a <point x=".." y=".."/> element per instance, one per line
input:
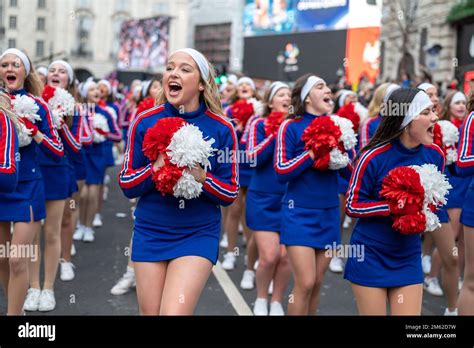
<point x="297" y="161"/>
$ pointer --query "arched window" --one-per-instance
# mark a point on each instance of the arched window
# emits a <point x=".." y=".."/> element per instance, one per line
<point x="83" y="36"/>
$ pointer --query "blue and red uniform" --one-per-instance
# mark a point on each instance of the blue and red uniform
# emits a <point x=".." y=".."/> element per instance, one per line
<point x="8" y="151"/>
<point x="113" y="111"/>
<point x="167" y="227"/>
<point x="310" y="205"/>
<point x="265" y="192"/>
<point x="29" y="196"/>
<point x="368" y="129"/>
<point x="388" y="258"/>
<point x="465" y="167"/>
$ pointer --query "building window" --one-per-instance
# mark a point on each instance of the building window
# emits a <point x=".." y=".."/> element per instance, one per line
<point x="214" y="42"/>
<point x="11" y="43"/>
<point x="41" y="24"/>
<point x="423" y="42"/>
<point x="40" y="48"/>
<point x="12" y="23"/>
<point x="13" y="3"/>
<point x="83" y="34"/>
<point x="41" y="3"/>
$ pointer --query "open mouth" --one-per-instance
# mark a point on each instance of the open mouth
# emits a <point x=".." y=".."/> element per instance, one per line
<point x="174" y="88"/>
<point x="11" y="78"/>
<point x="327" y="100"/>
<point x="55" y="81"/>
<point x="430" y="131"/>
<point x="286" y="105"/>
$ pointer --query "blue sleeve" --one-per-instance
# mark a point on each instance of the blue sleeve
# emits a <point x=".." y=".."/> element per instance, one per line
<point x="465" y="161"/>
<point x="288" y="163"/>
<point x="8" y="149"/>
<point x="222" y="183"/>
<point x="135" y="178"/>
<point x="51" y="144"/>
<point x="260" y="147"/>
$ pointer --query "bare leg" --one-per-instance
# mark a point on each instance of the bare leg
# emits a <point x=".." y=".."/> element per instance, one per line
<point x="150" y="279"/>
<point x="406" y="300"/>
<point x="370" y="301"/>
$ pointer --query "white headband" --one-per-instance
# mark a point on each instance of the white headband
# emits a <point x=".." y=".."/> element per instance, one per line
<point x="417" y="105"/>
<point x="42" y="70"/>
<point x="247" y="80"/>
<point x="275" y="87"/>
<point x="425" y="86"/>
<point x="390" y="89"/>
<point x="310" y="82"/>
<point x="20" y="55"/>
<point x="200" y="60"/>
<point x="232" y="79"/>
<point x="67" y="66"/>
<point x="106" y="84"/>
<point x="343" y="95"/>
<point x="145" y="87"/>
<point x="86" y="86"/>
<point x="458" y="96"/>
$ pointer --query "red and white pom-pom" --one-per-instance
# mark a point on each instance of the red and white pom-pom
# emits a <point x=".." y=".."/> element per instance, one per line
<point x="257" y="105"/>
<point x="348" y="112"/>
<point x="413" y="194"/>
<point x="446" y="136"/>
<point x="26" y="107"/>
<point x="183" y="146"/>
<point x="273" y="122"/>
<point x="24" y="136"/>
<point x="61" y="104"/>
<point x="101" y="128"/>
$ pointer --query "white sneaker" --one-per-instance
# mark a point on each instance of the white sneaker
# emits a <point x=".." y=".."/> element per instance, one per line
<point x="347" y="222"/>
<point x="276" y="308"/>
<point x="224" y="242"/>
<point x="260" y="307"/>
<point x="66" y="270"/>
<point x="125" y="284"/>
<point x="426" y="263"/>
<point x="336" y="265"/>
<point x="73" y="250"/>
<point x="270" y="288"/>
<point x="432" y="286"/>
<point x="97" y="221"/>
<point x="448" y="313"/>
<point x="460" y="283"/>
<point x="79" y="233"/>
<point x="229" y="261"/>
<point x="248" y="280"/>
<point x="47" y="302"/>
<point x="88" y="235"/>
<point x="32" y="300"/>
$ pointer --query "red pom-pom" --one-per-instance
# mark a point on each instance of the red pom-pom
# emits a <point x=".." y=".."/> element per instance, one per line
<point x="145" y="104"/>
<point x="322" y="135"/>
<point x="166" y="177"/>
<point x="48" y="93"/>
<point x="102" y="103"/>
<point x="241" y="111"/>
<point x="403" y="190"/>
<point x="410" y="224"/>
<point x="348" y="111"/>
<point x="273" y="122"/>
<point x="438" y="136"/>
<point x="158" y="137"/>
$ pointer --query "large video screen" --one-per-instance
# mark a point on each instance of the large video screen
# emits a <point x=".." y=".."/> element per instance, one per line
<point x="144" y="43"/>
<point x="268" y="17"/>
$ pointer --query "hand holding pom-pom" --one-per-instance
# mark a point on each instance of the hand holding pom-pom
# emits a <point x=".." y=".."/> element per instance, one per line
<point x="159" y="136"/>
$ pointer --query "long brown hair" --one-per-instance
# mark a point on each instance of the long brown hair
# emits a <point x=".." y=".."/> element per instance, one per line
<point x="392" y="117"/>
<point x="33" y="82"/>
<point x="444" y="114"/>
<point x="266" y="100"/>
<point x="297" y="106"/>
<point x="210" y="95"/>
<point x="470" y="103"/>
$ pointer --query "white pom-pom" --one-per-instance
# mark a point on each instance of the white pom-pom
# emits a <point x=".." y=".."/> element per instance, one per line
<point x="61" y="104"/>
<point x="26" y="107"/>
<point x="187" y="187"/>
<point x="338" y="159"/>
<point x="435" y="184"/>
<point x="189" y="148"/>
<point x="449" y="132"/>
<point x="451" y="155"/>
<point x="432" y="221"/>
<point x="24" y="136"/>
<point x="100" y="122"/>
<point x="258" y="106"/>
<point x="348" y="137"/>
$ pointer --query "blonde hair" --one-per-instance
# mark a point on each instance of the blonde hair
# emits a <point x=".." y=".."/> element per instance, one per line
<point x="377" y="100"/>
<point x="210" y="95"/>
<point x="33" y="84"/>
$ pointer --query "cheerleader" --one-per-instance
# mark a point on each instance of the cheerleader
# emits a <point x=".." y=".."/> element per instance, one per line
<point x="264" y="202"/>
<point x="8" y="145"/>
<point x="453" y="110"/>
<point x="149" y="93"/>
<point x="235" y="215"/>
<point x="61" y="75"/>
<point x="465" y="168"/>
<point x="25" y="207"/>
<point x="310" y="205"/>
<point x="390" y="266"/>
<point x="60" y="184"/>
<point x="227" y="90"/>
<point x="104" y="127"/>
<point x="175" y="241"/>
